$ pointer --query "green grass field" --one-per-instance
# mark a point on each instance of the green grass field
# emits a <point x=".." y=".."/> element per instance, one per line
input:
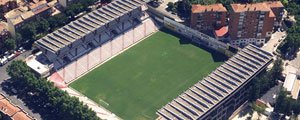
<point x="138" y="82"/>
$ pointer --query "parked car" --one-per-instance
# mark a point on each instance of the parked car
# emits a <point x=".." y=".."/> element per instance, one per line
<point x="3" y="61"/>
<point x="6" y="53"/>
<point x="17" y="53"/>
<point x="21" y="50"/>
<point x="11" y="56"/>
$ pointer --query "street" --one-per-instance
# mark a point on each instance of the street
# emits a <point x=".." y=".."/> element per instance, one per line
<point x="162" y="8"/>
<point x="273" y="43"/>
<point x="13" y="98"/>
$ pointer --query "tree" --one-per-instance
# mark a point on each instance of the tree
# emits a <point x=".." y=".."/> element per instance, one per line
<point x="28" y="31"/>
<point x="42" y="25"/>
<point x="17" y="69"/>
<point x="74" y="9"/>
<point x="87" y="3"/>
<point x="10" y="44"/>
<point x="184" y="8"/>
<point x="56" y="103"/>
<point x="280" y="101"/>
<point x="276" y="71"/>
<point x="170" y="6"/>
<point x="18" y="39"/>
<point x="57" y="21"/>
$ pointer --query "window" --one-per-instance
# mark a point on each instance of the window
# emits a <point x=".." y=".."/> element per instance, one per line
<point x="239" y="34"/>
<point x="199" y="17"/>
<point x="242" y="14"/>
<point x="258" y="34"/>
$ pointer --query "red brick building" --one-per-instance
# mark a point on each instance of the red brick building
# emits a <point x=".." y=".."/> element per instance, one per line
<point x="250" y="23"/>
<point x="277" y="8"/>
<point x="247" y="23"/>
<point x="208" y="17"/>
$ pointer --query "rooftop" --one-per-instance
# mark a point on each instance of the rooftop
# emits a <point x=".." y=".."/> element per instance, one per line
<point x="250" y="7"/>
<point x="22" y="13"/>
<point x="38" y="63"/>
<point x="274" y="4"/>
<point x="238" y="8"/>
<point x="3" y="26"/>
<point x="86" y="24"/>
<point x="39" y="7"/>
<point x="11" y="110"/>
<point x="222" y="31"/>
<point x="289" y="81"/>
<point x="3" y="2"/>
<point x="206" y="8"/>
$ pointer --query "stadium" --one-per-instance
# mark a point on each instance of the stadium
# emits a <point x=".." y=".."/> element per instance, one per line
<point x="120" y="57"/>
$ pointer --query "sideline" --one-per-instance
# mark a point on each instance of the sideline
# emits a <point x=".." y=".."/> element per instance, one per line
<point x="114" y="55"/>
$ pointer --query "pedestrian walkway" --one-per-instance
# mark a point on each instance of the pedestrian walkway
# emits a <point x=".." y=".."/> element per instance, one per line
<point x="100" y="111"/>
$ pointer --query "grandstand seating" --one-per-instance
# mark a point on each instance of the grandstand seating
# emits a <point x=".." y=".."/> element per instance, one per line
<point x="98" y="55"/>
<point x="207" y="95"/>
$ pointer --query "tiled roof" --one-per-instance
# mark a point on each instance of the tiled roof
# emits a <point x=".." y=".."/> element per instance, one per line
<point x="222" y="31"/>
<point x="7" y="108"/>
<point x="20" y="116"/>
<point x="11" y="110"/>
<point x="274" y="4"/>
<point x="204" y="8"/>
<point x="250" y="7"/>
<point x="3" y="2"/>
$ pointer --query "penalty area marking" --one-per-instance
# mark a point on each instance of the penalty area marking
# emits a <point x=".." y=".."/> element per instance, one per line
<point x="102" y="101"/>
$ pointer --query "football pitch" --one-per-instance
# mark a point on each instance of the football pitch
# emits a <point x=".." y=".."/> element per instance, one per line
<point x="139" y="81"/>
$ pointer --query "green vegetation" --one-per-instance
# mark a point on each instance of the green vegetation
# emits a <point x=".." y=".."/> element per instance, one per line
<point x="266" y="80"/>
<point x="41" y="26"/>
<point x="10" y="44"/>
<point x="51" y="102"/>
<point x="259" y="109"/>
<point x="290" y="46"/>
<point x="286" y="104"/>
<point x="138" y="82"/>
<point x="183" y="7"/>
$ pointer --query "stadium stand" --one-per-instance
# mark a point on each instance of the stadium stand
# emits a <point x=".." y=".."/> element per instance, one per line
<point x="96" y="37"/>
<point x="218" y="94"/>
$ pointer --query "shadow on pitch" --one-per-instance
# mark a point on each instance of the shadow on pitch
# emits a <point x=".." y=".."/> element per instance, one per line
<point x="217" y="56"/>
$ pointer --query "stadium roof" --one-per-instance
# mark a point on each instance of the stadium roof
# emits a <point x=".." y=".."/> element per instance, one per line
<point x="206" y="94"/>
<point x="86" y="24"/>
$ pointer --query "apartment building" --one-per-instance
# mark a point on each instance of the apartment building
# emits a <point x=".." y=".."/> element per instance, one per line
<point x="4" y="34"/>
<point x="278" y="9"/>
<point x="7" y="5"/>
<point x="250" y="23"/>
<point x="242" y="24"/>
<point x="208" y="17"/>
<point x="17" y="17"/>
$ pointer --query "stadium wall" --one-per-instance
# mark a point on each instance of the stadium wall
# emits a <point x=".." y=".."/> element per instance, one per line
<point x="107" y="50"/>
<point x="198" y="37"/>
